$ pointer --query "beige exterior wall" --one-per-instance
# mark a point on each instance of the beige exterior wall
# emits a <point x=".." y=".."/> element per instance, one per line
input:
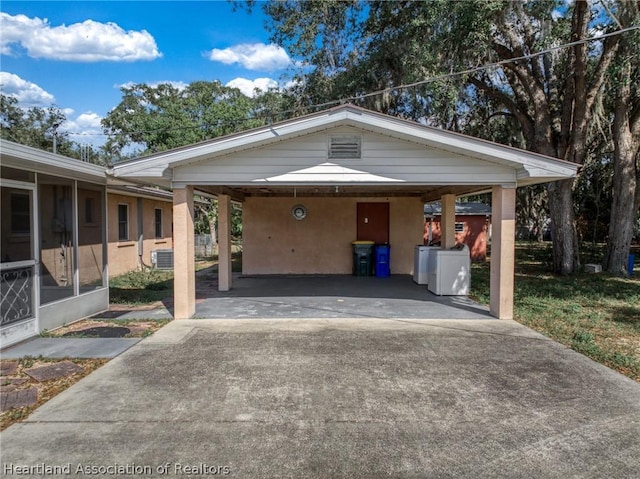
<point x="123" y="255"/>
<point x="275" y="243"/>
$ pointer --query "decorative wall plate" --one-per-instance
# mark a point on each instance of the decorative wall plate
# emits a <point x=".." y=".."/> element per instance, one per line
<point x="299" y="212"/>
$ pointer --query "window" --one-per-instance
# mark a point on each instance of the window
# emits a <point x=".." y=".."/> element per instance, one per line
<point x="123" y="222"/>
<point x="91" y="258"/>
<point x="20" y="214"/>
<point x="89" y="215"/>
<point x="159" y="233"/>
<point x="459" y="227"/>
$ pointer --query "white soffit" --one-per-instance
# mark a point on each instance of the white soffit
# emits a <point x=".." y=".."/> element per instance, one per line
<point x="328" y="173"/>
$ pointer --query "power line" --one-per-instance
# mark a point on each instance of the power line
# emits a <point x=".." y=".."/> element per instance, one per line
<point x="383" y="91"/>
<point x="480" y="68"/>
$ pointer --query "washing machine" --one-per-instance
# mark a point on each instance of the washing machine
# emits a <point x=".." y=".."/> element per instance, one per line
<point x="449" y="271"/>
<point x="420" y="262"/>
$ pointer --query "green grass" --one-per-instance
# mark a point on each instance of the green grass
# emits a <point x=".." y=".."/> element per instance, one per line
<point x="595" y="314"/>
<point x="141" y="287"/>
<point x="144" y="287"/>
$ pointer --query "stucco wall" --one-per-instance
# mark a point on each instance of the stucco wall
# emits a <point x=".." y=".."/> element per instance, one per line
<point x="123" y="255"/>
<point x="275" y="243"/>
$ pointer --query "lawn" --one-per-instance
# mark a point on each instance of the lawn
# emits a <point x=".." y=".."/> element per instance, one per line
<point x="141" y="287"/>
<point x="595" y="314"/>
<point x="149" y="286"/>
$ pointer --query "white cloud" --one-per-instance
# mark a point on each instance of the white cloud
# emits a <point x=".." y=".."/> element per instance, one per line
<point x="253" y="56"/>
<point x="28" y="94"/>
<point x="85" y="129"/>
<point x="249" y="87"/>
<point x="88" y="120"/>
<point x="88" y="41"/>
<point x="291" y="84"/>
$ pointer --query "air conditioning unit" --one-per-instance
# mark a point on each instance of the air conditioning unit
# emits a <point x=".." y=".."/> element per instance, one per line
<point x="162" y="258"/>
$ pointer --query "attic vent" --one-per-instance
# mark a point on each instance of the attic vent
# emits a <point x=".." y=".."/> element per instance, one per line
<point x="344" y="147"/>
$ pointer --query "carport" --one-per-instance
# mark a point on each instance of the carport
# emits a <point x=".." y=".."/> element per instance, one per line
<point x="311" y="185"/>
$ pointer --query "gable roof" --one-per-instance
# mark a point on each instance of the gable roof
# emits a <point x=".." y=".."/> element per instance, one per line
<point x="527" y="167"/>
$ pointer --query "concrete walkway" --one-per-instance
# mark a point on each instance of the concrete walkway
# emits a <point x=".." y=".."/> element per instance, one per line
<point x="340" y="398"/>
<point x="70" y="347"/>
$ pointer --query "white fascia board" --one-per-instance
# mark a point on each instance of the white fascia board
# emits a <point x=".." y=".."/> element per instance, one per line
<point x="157" y="164"/>
<point x="32" y="159"/>
<point x="139" y="195"/>
<point x="531" y="174"/>
<point x="458" y="142"/>
<point x="226" y="145"/>
<point x="382" y="185"/>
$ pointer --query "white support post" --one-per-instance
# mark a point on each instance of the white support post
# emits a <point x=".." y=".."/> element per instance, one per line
<point x="224" y="243"/>
<point x="448" y="221"/>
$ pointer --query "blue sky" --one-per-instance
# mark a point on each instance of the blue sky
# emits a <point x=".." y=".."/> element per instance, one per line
<point x="77" y="54"/>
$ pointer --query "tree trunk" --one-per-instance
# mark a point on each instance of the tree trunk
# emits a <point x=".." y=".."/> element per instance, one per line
<point x="626" y="140"/>
<point x="566" y="259"/>
<point x="624" y="208"/>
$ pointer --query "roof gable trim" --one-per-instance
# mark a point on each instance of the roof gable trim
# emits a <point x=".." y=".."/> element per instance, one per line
<point x="347" y="115"/>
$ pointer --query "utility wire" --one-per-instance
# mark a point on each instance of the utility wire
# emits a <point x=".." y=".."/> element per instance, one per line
<point x="477" y="69"/>
<point x="391" y="89"/>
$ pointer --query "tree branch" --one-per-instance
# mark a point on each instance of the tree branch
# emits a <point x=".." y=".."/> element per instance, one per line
<point x="523" y="118"/>
<point x="526" y="76"/>
<point x="600" y="73"/>
<point x="576" y="129"/>
<point x="542" y="133"/>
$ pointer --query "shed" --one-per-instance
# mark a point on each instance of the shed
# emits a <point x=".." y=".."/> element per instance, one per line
<point x="472" y="226"/>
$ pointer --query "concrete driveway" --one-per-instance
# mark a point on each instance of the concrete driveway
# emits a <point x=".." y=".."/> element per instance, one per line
<point x="339" y="398"/>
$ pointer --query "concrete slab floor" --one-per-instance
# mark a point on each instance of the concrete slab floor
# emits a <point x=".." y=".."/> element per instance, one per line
<point x="341" y="398"/>
<point x="330" y="296"/>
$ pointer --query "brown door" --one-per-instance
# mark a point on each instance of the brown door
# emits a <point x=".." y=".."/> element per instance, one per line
<point x="373" y="222"/>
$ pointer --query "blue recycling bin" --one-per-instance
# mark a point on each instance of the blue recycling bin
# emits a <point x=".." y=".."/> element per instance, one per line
<point x="383" y="269"/>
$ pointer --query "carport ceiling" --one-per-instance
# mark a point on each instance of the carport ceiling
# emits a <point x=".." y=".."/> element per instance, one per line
<point x="426" y="193"/>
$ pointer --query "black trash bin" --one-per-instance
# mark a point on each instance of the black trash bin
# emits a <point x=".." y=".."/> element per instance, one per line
<point x="362" y="258"/>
